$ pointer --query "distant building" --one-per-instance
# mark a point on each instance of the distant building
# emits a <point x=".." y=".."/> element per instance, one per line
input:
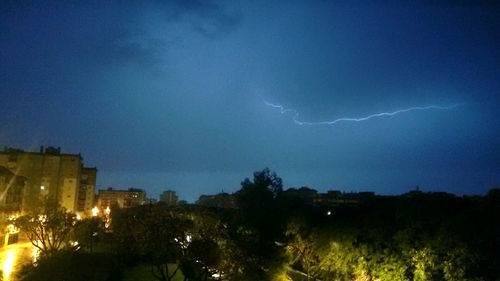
<point x="221" y="200"/>
<point x="304" y="194"/>
<point x="52" y="174"/>
<point x="335" y="198"/>
<point x="169" y="197"/>
<point x="151" y="201"/>
<point x="121" y="198"/>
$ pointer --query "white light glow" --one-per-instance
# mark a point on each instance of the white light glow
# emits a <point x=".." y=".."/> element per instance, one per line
<point x="295" y="113"/>
<point x="95" y="211"/>
<point x="8" y="263"/>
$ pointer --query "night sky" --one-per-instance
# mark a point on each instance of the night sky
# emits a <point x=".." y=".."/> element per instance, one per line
<point x="173" y="96"/>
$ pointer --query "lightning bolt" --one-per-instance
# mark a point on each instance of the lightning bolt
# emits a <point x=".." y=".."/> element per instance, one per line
<point x="296" y="120"/>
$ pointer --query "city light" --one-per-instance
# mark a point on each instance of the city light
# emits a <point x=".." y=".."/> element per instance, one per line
<point x="107" y="218"/>
<point x="12" y="229"/>
<point x="42" y="187"/>
<point x="35" y="254"/>
<point x="8" y="264"/>
<point x="95" y="211"/>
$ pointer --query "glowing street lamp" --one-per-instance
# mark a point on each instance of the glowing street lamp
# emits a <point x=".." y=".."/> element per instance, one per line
<point x="95" y="211"/>
<point x="12" y="229"/>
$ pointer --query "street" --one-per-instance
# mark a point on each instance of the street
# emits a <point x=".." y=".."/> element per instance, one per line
<point x="12" y="257"/>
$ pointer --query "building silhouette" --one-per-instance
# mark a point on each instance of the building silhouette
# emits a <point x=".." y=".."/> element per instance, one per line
<point x="169" y="197"/>
<point x="221" y="201"/>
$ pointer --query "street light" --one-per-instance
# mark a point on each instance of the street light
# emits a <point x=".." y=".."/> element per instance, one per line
<point x="95" y="211"/>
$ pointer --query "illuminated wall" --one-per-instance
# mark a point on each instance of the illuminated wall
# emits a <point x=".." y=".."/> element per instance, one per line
<point x="51" y="174"/>
<point x="121" y="198"/>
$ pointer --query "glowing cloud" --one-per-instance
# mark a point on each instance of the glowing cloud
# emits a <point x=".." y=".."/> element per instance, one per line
<point x="296" y="120"/>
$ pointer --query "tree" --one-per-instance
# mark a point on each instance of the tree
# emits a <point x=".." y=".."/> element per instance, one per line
<point x="424" y="263"/>
<point x="155" y="234"/>
<point x="203" y="256"/>
<point x="88" y="231"/>
<point x="208" y="248"/>
<point x="258" y="225"/>
<point x="68" y="266"/>
<point x="49" y="229"/>
<point x="301" y="248"/>
<point x="256" y="199"/>
<point x="265" y="180"/>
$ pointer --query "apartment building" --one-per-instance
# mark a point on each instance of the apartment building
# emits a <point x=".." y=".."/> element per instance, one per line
<point x="49" y="174"/>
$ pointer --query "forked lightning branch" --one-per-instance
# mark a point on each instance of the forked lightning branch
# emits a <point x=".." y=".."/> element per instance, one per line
<point x="295" y="114"/>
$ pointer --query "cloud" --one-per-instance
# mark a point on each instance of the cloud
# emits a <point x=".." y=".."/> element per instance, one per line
<point x="207" y="17"/>
<point x="98" y="34"/>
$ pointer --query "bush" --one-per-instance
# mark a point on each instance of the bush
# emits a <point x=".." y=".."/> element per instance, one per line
<point x="68" y="266"/>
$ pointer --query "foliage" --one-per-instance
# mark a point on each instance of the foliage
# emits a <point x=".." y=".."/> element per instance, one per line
<point x="160" y="235"/>
<point x="274" y="236"/>
<point x="50" y="228"/>
<point x="143" y="272"/>
<point x="70" y="266"/>
<point x="258" y="226"/>
<point x="370" y="243"/>
<point x="88" y="232"/>
<point x="255" y="199"/>
<point x="301" y="249"/>
<point x="207" y="248"/>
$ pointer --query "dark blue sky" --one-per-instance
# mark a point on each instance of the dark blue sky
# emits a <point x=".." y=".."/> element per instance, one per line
<point x="170" y="96"/>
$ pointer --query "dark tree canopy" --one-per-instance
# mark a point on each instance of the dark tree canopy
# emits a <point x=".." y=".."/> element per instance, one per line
<point x="279" y="235"/>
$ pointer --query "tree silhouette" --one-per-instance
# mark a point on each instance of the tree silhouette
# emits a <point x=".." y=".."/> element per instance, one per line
<point x="88" y="232"/>
<point x="258" y="226"/>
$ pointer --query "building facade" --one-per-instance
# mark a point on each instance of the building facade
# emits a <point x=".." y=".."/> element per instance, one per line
<point x="11" y="192"/>
<point x="120" y="198"/>
<point x="86" y="192"/>
<point x="336" y="198"/>
<point x="53" y="175"/>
